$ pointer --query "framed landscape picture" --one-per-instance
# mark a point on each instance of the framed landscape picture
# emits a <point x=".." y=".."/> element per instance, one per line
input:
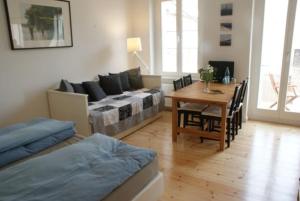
<point x="35" y="24"/>
<point x="225" y="27"/>
<point x="225" y="40"/>
<point x="226" y="9"/>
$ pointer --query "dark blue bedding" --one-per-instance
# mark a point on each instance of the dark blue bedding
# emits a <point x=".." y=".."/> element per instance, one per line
<point x="88" y="170"/>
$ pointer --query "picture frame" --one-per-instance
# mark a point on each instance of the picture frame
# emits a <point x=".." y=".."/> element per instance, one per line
<point x="225" y="27"/>
<point x="226" y="9"/>
<point x="225" y="39"/>
<point x="39" y="24"/>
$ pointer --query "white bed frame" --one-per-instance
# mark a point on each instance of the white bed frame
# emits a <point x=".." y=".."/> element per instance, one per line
<point x="68" y="106"/>
<point x="153" y="191"/>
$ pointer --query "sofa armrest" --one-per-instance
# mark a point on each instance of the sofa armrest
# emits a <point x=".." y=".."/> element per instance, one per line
<point x="70" y="107"/>
<point x="151" y="81"/>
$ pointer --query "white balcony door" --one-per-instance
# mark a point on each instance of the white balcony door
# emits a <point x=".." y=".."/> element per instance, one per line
<point x="179" y="36"/>
<point x="275" y="91"/>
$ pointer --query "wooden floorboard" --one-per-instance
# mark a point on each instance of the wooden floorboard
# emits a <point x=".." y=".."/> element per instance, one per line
<point x="262" y="164"/>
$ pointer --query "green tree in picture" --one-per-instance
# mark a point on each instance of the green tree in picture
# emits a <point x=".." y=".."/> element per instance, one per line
<point x="42" y="19"/>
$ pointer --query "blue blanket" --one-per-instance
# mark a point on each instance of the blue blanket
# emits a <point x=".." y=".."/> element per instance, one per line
<point x="25" y="133"/>
<point x="88" y="170"/>
<point x="21" y="152"/>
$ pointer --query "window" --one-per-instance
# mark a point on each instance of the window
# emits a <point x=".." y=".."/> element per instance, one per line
<point x="169" y="36"/>
<point x="179" y="25"/>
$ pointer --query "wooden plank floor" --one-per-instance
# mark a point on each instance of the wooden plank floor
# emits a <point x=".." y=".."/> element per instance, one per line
<point x="262" y="164"/>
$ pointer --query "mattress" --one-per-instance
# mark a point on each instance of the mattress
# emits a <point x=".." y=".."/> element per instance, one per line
<point x="25" y="139"/>
<point x="132" y="186"/>
<point x="90" y="170"/>
<point x="27" y="150"/>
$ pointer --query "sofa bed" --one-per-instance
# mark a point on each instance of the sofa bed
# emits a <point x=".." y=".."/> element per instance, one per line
<point x="116" y="104"/>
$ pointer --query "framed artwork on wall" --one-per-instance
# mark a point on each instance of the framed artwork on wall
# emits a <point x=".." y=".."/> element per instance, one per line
<point x="225" y="27"/>
<point x="226" y="13"/>
<point x="226" y="9"/>
<point x="225" y="40"/>
<point x="36" y="24"/>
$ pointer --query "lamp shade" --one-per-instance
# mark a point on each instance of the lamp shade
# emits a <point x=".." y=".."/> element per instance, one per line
<point x="134" y="44"/>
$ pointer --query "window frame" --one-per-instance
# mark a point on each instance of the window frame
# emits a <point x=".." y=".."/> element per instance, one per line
<point x="159" y="56"/>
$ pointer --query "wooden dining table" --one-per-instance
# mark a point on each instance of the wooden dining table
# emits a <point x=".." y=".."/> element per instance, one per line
<point x="194" y="93"/>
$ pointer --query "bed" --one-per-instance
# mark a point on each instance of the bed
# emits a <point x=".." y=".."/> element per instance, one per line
<point x="97" y="168"/>
<point x="25" y="139"/>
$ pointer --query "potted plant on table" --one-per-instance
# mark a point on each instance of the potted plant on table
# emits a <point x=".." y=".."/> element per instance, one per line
<point x="206" y="75"/>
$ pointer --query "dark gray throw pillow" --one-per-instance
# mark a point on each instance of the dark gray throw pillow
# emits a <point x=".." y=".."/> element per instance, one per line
<point x="111" y="84"/>
<point x="124" y="80"/>
<point x="135" y="78"/>
<point x="66" y="86"/>
<point x="79" y="89"/>
<point x="94" y="90"/>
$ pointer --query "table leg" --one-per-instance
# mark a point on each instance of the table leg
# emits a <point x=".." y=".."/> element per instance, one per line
<point x="223" y="127"/>
<point x="174" y="120"/>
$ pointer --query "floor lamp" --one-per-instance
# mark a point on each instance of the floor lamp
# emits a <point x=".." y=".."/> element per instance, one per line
<point x="134" y="46"/>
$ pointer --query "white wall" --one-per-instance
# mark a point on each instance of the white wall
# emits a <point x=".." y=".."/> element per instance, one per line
<point x="99" y="36"/>
<point x="141" y="25"/>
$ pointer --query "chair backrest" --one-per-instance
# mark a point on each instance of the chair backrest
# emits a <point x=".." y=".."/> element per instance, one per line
<point x="244" y="89"/>
<point x="178" y="84"/>
<point x="187" y="80"/>
<point x="273" y="83"/>
<point x="240" y="97"/>
<point x="235" y="99"/>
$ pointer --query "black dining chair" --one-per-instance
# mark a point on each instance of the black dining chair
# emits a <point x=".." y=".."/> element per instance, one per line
<point x="178" y="84"/>
<point x="240" y="107"/>
<point x="187" y="80"/>
<point x="187" y="109"/>
<point x="213" y="114"/>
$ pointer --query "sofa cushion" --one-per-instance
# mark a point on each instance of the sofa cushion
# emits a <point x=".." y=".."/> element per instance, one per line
<point x="124" y="80"/>
<point x="79" y="89"/>
<point x="135" y="78"/>
<point x="111" y="84"/>
<point x="94" y="90"/>
<point x="66" y="86"/>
